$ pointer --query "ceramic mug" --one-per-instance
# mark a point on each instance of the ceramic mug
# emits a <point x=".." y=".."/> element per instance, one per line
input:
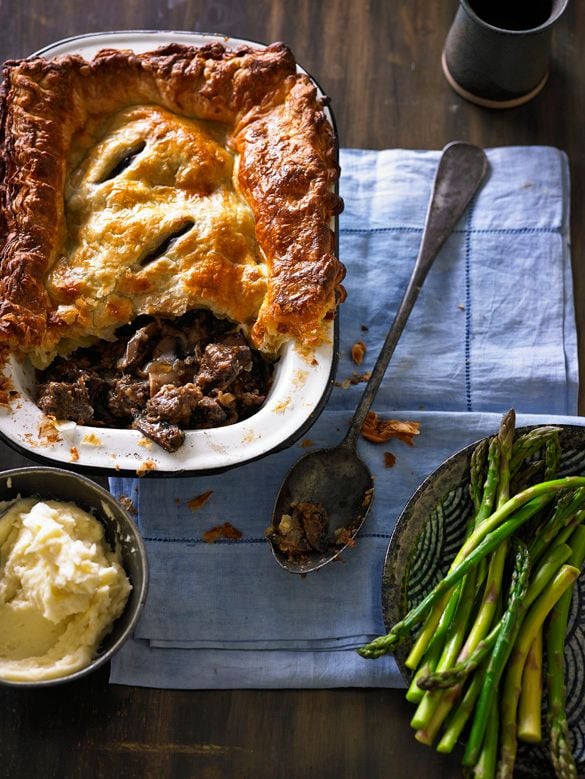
<point x="497" y="52"/>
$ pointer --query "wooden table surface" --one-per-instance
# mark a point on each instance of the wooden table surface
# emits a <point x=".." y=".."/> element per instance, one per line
<point x="379" y="60"/>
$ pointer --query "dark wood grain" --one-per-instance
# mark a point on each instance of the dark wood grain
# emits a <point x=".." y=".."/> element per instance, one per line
<point x="379" y="60"/>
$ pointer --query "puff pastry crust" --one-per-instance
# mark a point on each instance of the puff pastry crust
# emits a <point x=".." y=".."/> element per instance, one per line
<point x="161" y="182"/>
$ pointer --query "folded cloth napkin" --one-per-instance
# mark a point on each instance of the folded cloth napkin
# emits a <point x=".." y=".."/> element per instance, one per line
<point x="493" y="329"/>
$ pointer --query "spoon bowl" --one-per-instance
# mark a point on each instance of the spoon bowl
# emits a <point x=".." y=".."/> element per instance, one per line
<point x="347" y="504"/>
<point x="326" y="496"/>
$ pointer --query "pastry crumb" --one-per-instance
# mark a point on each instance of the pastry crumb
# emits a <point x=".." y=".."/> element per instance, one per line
<point x="198" y="501"/>
<point x="126" y="503"/>
<point x="358" y="352"/>
<point x="378" y="431"/>
<point x="226" y="531"/>
<point x="389" y="460"/>
<point x="145" y="466"/>
<point x="343" y="537"/>
<point x="48" y="433"/>
<point x="91" y="439"/>
<point x="356" y="378"/>
<point x="281" y="407"/>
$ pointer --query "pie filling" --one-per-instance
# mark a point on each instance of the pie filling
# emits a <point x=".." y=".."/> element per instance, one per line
<point x="160" y="377"/>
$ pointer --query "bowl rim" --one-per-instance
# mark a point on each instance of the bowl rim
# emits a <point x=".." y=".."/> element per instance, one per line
<point x="140" y="594"/>
<point x="126" y="457"/>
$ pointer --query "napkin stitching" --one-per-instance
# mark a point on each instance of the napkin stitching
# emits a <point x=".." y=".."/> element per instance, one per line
<point x="467" y="347"/>
<point x="187" y="540"/>
<point x="460" y="231"/>
<point x="234" y="541"/>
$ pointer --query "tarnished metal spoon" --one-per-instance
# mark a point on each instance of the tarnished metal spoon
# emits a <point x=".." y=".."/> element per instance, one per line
<point x="336" y="478"/>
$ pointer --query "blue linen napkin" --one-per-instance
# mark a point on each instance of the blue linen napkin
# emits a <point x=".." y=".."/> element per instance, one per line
<point x="493" y="329"/>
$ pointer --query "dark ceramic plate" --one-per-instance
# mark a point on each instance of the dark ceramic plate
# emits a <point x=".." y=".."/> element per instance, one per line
<point x="427" y="536"/>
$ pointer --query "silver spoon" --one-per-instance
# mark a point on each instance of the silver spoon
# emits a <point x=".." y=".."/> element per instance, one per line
<point x="336" y="478"/>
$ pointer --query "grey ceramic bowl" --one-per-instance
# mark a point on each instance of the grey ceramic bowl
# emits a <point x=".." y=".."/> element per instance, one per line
<point x="426" y="538"/>
<point x="57" y="484"/>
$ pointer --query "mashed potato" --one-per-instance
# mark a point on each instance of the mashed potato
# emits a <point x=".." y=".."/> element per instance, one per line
<point x="61" y="588"/>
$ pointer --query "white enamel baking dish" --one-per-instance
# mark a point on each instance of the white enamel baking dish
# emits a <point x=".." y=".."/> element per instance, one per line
<point x="301" y="383"/>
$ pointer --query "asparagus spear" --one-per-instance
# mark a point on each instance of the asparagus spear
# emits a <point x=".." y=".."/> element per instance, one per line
<point x="511" y="623"/>
<point x="436" y="705"/>
<point x="506" y="439"/>
<point x="544" y="489"/>
<point x="545" y="571"/>
<point x="528" y="444"/>
<point x="530" y="704"/>
<point x="511" y="690"/>
<point x="485" y="768"/>
<point x="485" y="616"/>
<point x="434" y="648"/>
<point x="414" y="693"/>
<point x="495" y="668"/>
<point x="529" y="708"/>
<point x="458" y="673"/>
<point x="446" y="604"/>
<point x="459" y="716"/>
<point x="477" y="468"/>
<point x="444" y="702"/>
<point x="562" y="759"/>
<point x="552" y="457"/>
<point x="490" y="486"/>
<point x="567" y="513"/>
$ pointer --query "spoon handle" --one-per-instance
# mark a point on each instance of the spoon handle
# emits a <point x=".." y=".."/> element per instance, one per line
<point x="462" y="168"/>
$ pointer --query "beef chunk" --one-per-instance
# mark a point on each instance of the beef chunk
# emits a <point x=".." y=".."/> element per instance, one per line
<point x="289" y="536"/>
<point x="174" y="404"/>
<point x="127" y="396"/>
<point x="170" y="437"/>
<point x="249" y="401"/>
<point x="303" y="530"/>
<point x="209" y="413"/>
<point x="66" y="400"/>
<point x="315" y="522"/>
<point x="222" y="363"/>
